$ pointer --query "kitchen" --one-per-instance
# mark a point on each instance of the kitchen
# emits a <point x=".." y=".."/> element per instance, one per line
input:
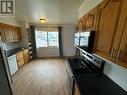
<point x="91" y="55"/>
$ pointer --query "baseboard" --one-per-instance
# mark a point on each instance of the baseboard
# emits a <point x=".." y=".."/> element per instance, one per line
<point x="52" y="57"/>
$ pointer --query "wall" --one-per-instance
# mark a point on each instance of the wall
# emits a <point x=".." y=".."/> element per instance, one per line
<point x="24" y="41"/>
<point x="47" y="52"/>
<point x="87" y="5"/>
<point x="12" y="21"/>
<point x="68" y="40"/>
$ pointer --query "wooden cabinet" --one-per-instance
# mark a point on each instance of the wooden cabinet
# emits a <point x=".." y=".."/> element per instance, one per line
<point x="1" y="31"/>
<point x="20" y="59"/>
<point x="109" y="12"/>
<point x="112" y="30"/>
<point x="119" y="54"/>
<point x="17" y="33"/>
<point x="88" y="21"/>
<point x="10" y="33"/>
<point x="84" y="24"/>
<point x="76" y="89"/>
<point x="122" y="53"/>
<point x="80" y="25"/>
<point x="26" y="55"/>
<point x="91" y="19"/>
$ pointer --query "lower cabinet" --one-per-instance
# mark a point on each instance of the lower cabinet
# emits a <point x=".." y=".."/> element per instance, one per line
<point x="69" y="80"/>
<point x="72" y="88"/>
<point x="20" y="59"/>
<point x="26" y="55"/>
<point x="76" y="89"/>
<point x="12" y="62"/>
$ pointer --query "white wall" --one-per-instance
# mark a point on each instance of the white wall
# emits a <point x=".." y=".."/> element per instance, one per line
<point x="87" y="5"/>
<point x="10" y="21"/>
<point x="68" y="40"/>
<point x="24" y="41"/>
<point x="47" y="52"/>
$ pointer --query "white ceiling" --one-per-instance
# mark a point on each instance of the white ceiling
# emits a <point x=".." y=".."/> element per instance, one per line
<point x="55" y="11"/>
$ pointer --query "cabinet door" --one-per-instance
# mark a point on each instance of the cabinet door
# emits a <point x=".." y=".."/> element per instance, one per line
<point x="76" y="90"/>
<point x="20" y="59"/>
<point x="90" y="21"/>
<point x="2" y="32"/>
<point x="8" y="33"/>
<point x="122" y="55"/>
<point x="84" y="23"/>
<point x="120" y="31"/>
<point x="80" y="25"/>
<point x="26" y="55"/>
<point x="108" y="17"/>
<point x="17" y="33"/>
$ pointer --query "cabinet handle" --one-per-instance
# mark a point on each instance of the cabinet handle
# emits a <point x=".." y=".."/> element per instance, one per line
<point x="114" y="53"/>
<point x="119" y="51"/>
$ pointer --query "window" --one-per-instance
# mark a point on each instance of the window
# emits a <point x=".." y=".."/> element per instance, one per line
<point x="46" y="39"/>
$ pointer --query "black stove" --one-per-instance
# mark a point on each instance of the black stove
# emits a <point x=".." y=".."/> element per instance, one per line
<point x="86" y="64"/>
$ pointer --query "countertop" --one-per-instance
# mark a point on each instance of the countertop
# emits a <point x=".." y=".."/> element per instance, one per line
<point x="94" y="83"/>
<point x="13" y="51"/>
<point x="97" y="84"/>
<point x="74" y="63"/>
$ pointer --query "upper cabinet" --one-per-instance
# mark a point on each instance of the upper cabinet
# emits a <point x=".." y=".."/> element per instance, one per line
<point x="108" y="17"/>
<point x="17" y="33"/>
<point x="109" y="20"/>
<point x="10" y="33"/>
<point x="122" y="52"/>
<point x="80" y="25"/>
<point x="119" y="55"/>
<point x="91" y="19"/>
<point x="88" y="22"/>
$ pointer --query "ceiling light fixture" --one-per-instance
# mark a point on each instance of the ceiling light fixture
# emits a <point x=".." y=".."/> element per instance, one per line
<point x="42" y="20"/>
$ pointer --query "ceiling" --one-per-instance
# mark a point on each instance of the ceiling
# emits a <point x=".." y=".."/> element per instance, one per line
<point x="55" y="11"/>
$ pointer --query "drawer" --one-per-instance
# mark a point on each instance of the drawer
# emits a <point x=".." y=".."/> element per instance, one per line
<point x="19" y="56"/>
<point x="20" y="63"/>
<point x="25" y="51"/>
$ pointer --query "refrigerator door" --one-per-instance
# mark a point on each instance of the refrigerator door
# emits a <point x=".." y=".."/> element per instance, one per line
<point x="5" y="86"/>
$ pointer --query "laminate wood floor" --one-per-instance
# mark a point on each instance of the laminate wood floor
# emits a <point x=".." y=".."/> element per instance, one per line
<point x="41" y="77"/>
